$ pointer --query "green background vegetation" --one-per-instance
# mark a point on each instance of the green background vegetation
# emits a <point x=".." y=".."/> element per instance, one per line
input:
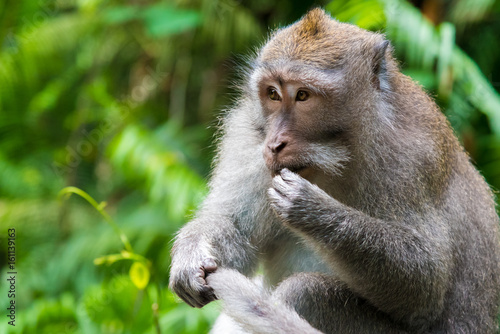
<point x="121" y="100"/>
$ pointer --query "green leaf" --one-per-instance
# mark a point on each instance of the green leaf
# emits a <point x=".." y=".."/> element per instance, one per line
<point x="470" y="11"/>
<point x="367" y="14"/>
<point x="139" y="275"/>
<point x="162" y="21"/>
<point x="447" y="44"/>
<point x="424" y="78"/>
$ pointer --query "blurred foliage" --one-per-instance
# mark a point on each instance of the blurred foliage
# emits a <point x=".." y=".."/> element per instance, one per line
<point x="121" y="100"/>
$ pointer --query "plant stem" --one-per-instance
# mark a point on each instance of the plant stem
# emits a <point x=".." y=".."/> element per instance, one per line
<point x="100" y="208"/>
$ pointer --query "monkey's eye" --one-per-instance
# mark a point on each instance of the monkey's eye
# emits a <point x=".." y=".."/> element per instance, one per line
<point x="273" y="94"/>
<point x="302" y="95"/>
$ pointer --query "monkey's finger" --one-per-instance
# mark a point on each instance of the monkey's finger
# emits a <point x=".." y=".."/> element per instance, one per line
<point x="207" y="295"/>
<point x="209" y="265"/>
<point x="279" y="184"/>
<point x="287" y="190"/>
<point x="187" y="299"/>
<point x="275" y="195"/>
<point x="279" y="203"/>
<point x="290" y="177"/>
<point x="199" y="276"/>
<point x="197" y="299"/>
<point x="198" y="304"/>
<point x="287" y="174"/>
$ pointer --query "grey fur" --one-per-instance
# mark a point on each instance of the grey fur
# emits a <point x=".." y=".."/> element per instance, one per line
<point x="393" y="231"/>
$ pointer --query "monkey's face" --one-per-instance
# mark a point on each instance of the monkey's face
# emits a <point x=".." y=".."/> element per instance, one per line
<point x="304" y="130"/>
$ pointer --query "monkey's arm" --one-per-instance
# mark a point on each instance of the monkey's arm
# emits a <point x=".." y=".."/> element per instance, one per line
<point x="397" y="266"/>
<point x="223" y="231"/>
<point x="200" y="247"/>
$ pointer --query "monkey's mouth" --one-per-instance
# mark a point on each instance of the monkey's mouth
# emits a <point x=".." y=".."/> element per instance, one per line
<point x="294" y="169"/>
<point x="297" y="169"/>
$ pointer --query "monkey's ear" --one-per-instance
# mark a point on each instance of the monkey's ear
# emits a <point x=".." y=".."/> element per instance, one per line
<point x="380" y="78"/>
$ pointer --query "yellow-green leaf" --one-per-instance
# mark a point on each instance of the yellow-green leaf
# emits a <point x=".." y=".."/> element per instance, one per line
<point x="139" y="274"/>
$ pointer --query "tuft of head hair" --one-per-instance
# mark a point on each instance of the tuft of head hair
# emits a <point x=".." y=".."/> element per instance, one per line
<point x="317" y="39"/>
<point x="313" y="23"/>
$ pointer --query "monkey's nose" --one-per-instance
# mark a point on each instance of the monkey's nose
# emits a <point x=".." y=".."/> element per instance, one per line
<point x="277" y="147"/>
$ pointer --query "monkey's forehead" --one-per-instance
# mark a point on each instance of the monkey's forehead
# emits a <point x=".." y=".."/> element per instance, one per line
<point x="319" y="40"/>
<point x="317" y="79"/>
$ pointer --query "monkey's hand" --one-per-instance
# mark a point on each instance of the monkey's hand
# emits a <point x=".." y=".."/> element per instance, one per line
<point x="299" y="203"/>
<point x="188" y="279"/>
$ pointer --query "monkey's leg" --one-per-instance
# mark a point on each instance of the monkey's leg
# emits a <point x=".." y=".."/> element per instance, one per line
<point x="302" y="304"/>
<point x="329" y="306"/>
<point x="252" y="308"/>
<point x="226" y="325"/>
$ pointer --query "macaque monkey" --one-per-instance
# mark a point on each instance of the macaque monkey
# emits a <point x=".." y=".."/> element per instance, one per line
<point x="339" y="179"/>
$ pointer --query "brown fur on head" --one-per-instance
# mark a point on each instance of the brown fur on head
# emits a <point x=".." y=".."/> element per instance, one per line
<point x="319" y="40"/>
